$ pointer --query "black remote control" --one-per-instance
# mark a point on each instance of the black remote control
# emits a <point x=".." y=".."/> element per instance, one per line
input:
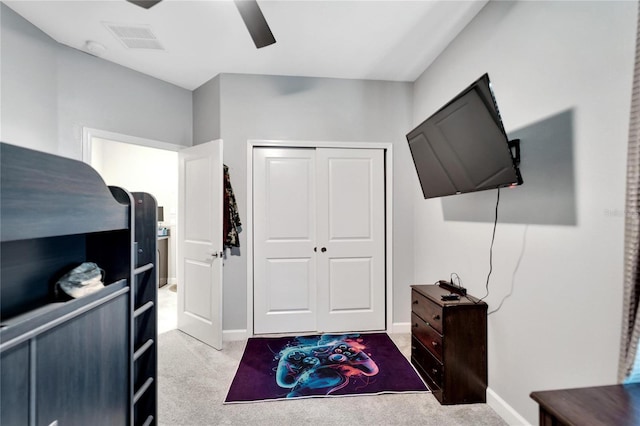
<point x="450" y="297"/>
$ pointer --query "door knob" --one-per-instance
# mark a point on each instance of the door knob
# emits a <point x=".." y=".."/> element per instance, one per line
<point x="215" y="254"/>
<point x="323" y="249"/>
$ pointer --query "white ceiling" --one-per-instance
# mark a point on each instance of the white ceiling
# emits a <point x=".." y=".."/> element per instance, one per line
<point x="361" y="39"/>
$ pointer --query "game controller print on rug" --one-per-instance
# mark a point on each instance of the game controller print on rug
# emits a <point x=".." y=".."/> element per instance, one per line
<point x="320" y="366"/>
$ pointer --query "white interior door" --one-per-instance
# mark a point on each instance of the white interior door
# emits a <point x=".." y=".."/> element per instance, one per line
<point x="200" y="244"/>
<point x="284" y="239"/>
<point x="351" y="237"/>
<point x="319" y="240"/>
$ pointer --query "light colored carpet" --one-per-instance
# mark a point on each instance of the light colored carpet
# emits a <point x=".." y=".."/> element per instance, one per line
<point x="193" y="380"/>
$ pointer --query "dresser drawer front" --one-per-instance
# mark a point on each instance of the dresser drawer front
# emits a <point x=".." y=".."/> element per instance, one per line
<point x="429" y="311"/>
<point x="433" y="387"/>
<point x="429" y="337"/>
<point x="426" y="362"/>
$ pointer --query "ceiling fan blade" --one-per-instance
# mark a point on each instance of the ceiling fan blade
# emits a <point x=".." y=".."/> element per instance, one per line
<point x="145" y="3"/>
<point x="255" y="22"/>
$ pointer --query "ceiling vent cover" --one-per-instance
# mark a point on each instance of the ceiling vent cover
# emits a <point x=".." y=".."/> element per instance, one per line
<point x="135" y="37"/>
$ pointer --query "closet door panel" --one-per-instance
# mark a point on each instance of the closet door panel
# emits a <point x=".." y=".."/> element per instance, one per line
<point x="285" y="292"/>
<point x="351" y="271"/>
<point x="284" y="237"/>
<point x="347" y="197"/>
<point x="350" y="284"/>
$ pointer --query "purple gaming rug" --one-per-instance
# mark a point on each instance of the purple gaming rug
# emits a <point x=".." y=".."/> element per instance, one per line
<point x="322" y="365"/>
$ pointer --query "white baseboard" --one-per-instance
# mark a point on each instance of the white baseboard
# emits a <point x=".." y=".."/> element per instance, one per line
<point x="234" y="335"/>
<point x="504" y="410"/>
<point x="400" y="328"/>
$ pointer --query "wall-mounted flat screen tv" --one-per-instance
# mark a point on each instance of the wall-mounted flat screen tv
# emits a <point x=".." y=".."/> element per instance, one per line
<point x="463" y="146"/>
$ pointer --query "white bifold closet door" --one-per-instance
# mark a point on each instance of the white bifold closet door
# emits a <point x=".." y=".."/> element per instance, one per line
<point x="319" y="240"/>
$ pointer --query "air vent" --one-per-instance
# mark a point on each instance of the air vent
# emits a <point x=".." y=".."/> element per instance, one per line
<point x="135" y="37"/>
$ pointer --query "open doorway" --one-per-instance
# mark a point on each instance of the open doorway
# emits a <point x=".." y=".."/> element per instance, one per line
<point x="145" y="166"/>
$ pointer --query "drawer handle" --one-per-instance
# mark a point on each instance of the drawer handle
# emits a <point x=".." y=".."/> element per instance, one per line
<point x="413" y="348"/>
<point x="434" y="344"/>
<point x="415" y="302"/>
<point x="435" y="317"/>
<point x="415" y="325"/>
<point x="434" y="371"/>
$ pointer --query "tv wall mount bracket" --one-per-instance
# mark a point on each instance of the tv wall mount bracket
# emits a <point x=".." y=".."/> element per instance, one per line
<point x="514" y="147"/>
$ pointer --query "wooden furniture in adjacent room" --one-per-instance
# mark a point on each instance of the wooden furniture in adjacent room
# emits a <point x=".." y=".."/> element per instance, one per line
<point x="163" y="260"/>
<point x="449" y="344"/>
<point x="595" y="406"/>
<point x="91" y="360"/>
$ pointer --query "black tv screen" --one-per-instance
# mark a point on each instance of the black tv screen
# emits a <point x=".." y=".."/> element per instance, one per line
<point x="463" y="147"/>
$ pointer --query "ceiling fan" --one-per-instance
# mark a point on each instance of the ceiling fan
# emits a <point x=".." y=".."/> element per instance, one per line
<point x="250" y="13"/>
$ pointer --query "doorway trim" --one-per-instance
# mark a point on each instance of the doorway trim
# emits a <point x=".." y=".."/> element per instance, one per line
<point x="388" y="164"/>
<point x="89" y="133"/>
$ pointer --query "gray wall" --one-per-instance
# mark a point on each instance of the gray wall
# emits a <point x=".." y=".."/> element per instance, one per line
<point x="206" y="112"/>
<point x="29" y="84"/>
<point x="547" y="196"/>
<point x="313" y="109"/>
<point x="561" y="325"/>
<point x="50" y="92"/>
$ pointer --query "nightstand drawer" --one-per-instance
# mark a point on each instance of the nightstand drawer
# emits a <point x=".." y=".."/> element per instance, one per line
<point x="426" y="362"/>
<point x="430" y="312"/>
<point x="429" y="337"/>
